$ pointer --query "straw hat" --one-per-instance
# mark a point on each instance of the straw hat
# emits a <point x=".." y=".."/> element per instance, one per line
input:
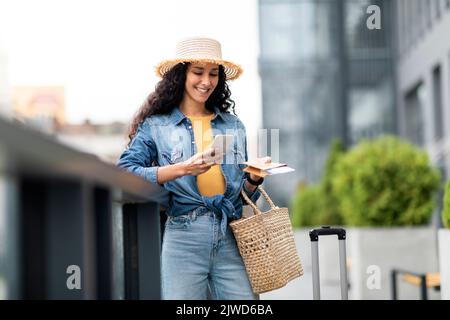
<point x="199" y="49"/>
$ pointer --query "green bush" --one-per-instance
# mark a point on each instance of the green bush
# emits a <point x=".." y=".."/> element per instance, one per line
<point x="335" y="153"/>
<point x="316" y="205"/>
<point x="331" y="214"/>
<point x="307" y="206"/>
<point x="446" y="214"/>
<point x="385" y="182"/>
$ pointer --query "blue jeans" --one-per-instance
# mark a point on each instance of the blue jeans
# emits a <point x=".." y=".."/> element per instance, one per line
<point x="197" y="256"/>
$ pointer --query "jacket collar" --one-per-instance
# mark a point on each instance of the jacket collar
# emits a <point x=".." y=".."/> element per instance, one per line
<point x="176" y="116"/>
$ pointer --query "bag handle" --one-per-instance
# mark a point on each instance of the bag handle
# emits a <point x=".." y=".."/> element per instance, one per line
<point x="250" y="202"/>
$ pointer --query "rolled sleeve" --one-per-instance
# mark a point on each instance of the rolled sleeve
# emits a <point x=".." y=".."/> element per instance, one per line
<point x="151" y="174"/>
<point x="139" y="156"/>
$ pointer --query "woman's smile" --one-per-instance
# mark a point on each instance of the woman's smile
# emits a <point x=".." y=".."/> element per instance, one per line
<point x="203" y="91"/>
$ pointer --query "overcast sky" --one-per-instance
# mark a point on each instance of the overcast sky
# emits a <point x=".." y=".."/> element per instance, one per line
<point x="104" y="51"/>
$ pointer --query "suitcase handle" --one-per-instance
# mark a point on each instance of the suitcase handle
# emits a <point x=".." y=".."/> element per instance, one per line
<point x="326" y="231"/>
<point x="314" y="235"/>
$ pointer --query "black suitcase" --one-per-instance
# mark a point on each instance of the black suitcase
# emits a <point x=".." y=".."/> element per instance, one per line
<point x="314" y="235"/>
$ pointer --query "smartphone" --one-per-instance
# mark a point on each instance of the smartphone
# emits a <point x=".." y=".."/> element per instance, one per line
<point x="222" y="144"/>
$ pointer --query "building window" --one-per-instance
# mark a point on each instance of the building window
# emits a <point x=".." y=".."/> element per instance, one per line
<point x="298" y="35"/>
<point x="414" y="103"/>
<point x="428" y="13"/>
<point x="370" y="105"/>
<point x="437" y="9"/>
<point x="437" y="104"/>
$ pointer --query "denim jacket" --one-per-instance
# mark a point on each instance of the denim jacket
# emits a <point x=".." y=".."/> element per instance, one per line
<point x="168" y="139"/>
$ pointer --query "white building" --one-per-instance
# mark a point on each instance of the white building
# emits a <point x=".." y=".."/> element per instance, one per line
<point x="423" y="78"/>
<point x="423" y="75"/>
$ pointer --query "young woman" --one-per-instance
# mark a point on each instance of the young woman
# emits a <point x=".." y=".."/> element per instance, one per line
<point x="170" y="140"/>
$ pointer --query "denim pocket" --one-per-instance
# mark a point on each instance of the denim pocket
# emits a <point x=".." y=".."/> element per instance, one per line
<point x="179" y="222"/>
<point x="174" y="156"/>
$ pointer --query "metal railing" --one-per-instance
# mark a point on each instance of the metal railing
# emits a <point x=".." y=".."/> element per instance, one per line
<point x="61" y="209"/>
<point x="420" y="279"/>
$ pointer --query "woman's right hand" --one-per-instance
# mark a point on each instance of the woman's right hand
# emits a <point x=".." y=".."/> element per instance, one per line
<point x="195" y="165"/>
<point x="199" y="163"/>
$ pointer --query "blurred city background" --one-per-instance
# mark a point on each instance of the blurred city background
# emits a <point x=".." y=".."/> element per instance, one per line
<point x="313" y="69"/>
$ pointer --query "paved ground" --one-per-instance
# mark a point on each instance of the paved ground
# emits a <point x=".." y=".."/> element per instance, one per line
<point x="301" y="288"/>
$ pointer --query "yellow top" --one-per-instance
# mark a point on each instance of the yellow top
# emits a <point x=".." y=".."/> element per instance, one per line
<point x="212" y="181"/>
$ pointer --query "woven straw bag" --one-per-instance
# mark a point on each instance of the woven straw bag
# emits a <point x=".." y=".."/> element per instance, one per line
<point x="266" y="243"/>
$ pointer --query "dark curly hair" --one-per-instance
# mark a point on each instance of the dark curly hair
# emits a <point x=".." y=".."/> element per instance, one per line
<point x="169" y="93"/>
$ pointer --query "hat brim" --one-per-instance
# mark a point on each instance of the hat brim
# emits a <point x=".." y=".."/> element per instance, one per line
<point x="232" y="70"/>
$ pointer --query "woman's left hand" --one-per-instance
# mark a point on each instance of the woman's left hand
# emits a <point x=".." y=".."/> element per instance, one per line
<point x="263" y="160"/>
